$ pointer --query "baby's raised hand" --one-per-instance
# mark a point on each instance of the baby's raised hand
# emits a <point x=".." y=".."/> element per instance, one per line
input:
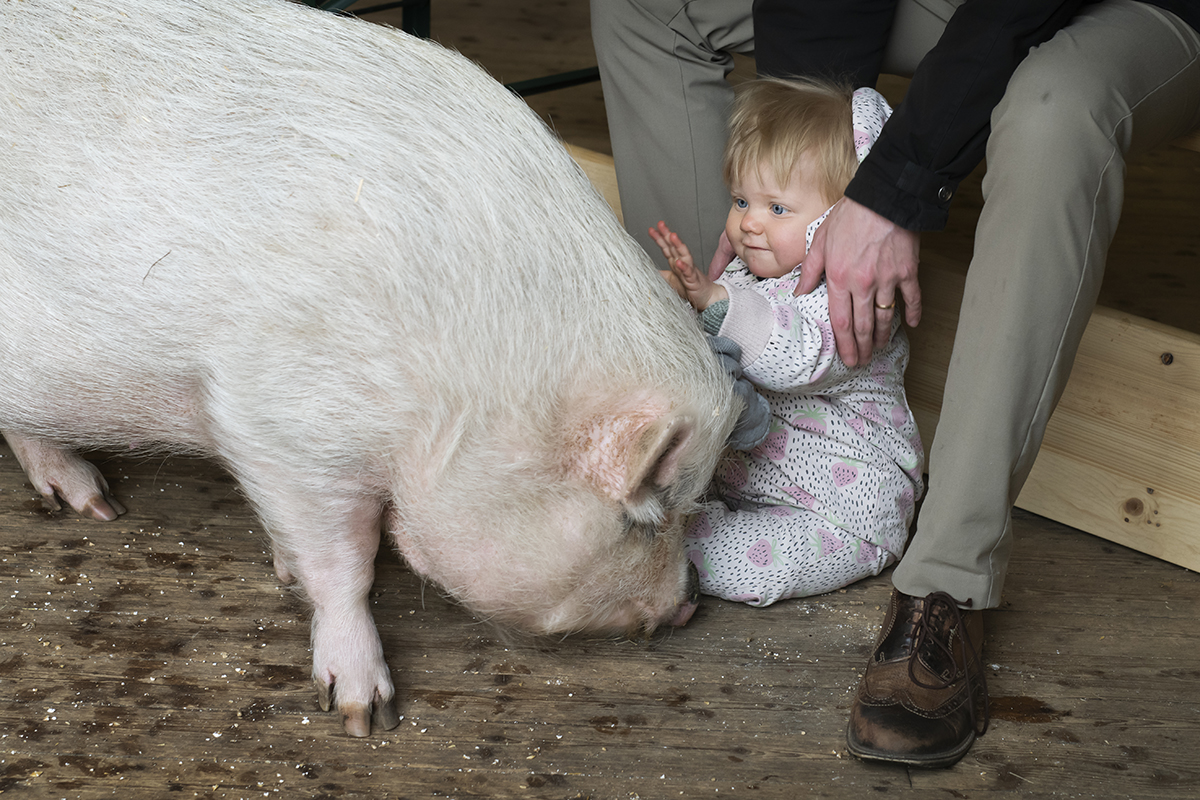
<point x="692" y="285"/>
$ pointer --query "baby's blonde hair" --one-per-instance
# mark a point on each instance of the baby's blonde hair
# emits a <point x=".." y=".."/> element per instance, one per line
<point x="776" y="121"/>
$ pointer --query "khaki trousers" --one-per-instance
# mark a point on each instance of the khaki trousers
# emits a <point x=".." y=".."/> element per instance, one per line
<point x="1121" y="78"/>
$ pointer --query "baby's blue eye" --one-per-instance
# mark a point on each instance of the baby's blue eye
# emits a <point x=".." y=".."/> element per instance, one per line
<point x="777" y="209"/>
<point x="740" y="203"/>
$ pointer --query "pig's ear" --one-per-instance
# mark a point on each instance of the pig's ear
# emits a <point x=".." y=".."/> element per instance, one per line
<point x="632" y="459"/>
<point x="654" y="464"/>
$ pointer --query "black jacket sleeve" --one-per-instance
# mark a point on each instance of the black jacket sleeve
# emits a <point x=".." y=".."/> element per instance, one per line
<point x="938" y="134"/>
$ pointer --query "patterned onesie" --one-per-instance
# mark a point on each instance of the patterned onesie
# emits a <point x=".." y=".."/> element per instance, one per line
<point x="827" y="498"/>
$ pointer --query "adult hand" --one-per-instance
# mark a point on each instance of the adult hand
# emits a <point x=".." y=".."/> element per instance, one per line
<point x="865" y="258"/>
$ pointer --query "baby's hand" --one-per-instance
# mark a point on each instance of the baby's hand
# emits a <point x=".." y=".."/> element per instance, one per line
<point x="692" y="285"/>
<point x="673" y="281"/>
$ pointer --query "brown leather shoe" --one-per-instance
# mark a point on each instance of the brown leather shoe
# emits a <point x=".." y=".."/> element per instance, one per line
<point x="924" y="696"/>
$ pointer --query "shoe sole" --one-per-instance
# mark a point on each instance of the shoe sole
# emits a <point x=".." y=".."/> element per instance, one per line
<point x="924" y="761"/>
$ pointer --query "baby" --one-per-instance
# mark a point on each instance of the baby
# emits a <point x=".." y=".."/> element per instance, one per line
<point x="827" y="498"/>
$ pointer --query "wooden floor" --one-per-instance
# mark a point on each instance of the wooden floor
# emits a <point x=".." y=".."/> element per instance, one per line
<point x="157" y="656"/>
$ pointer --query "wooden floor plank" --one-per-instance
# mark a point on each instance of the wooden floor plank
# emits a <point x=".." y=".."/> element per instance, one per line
<point x="122" y="671"/>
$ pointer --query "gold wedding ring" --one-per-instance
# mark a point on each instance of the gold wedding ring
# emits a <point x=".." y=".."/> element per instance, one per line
<point x="888" y="307"/>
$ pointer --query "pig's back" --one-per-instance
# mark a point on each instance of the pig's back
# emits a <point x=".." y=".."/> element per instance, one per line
<point x="217" y="206"/>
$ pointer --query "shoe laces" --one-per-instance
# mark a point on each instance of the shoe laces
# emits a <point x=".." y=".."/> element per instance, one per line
<point x="927" y="633"/>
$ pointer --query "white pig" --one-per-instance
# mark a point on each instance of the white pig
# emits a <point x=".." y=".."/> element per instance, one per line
<point x="355" y="269"/>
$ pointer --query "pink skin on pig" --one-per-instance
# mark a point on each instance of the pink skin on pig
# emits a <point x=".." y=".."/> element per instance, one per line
<point x="614" y="564"/>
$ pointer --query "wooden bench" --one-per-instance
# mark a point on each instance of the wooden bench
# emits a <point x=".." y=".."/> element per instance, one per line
<point x="1121" y="456"/>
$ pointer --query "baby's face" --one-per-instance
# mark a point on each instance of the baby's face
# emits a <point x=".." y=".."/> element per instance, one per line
<point x="768" y="223"/>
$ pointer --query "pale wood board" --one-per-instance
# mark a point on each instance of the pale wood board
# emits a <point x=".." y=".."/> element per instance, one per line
<point x="1191" y="141"/>
<point x="1121" y="457"/>
<point x="600" y="171"/>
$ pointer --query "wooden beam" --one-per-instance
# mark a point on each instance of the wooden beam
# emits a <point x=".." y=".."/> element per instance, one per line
<point x="1121" y="456"/>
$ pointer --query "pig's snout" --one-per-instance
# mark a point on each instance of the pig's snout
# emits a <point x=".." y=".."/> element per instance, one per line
<point x="675" y="616"/>
<point x="688" y="607"/>
<point x="685" y="612"/>
<point x="633" y="617"/>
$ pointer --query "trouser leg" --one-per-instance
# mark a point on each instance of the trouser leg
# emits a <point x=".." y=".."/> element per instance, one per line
<point x="1121" y="78"/>
<point x="916" y="28"/>
<point x="663" y="67"/>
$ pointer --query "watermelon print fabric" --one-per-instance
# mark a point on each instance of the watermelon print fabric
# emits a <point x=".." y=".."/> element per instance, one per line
<point x="827" y="498"/>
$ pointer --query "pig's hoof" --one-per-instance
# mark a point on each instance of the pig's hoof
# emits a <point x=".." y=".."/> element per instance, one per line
<point x="385" y="716"/>
<point x="101" y="508"/>
<point x="104" y="509"/>
<point x="324" y="694"/>
<point x="56" y="472"/>
<point x="357" y="718"/>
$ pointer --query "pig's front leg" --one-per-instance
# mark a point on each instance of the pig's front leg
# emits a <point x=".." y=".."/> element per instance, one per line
<point x="328" y="544"/>
<point x="58" y="473"/>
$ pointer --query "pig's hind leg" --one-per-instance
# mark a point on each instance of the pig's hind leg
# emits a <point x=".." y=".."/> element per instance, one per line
<point x="61" y="474"/>
<point x="328" y="542"/>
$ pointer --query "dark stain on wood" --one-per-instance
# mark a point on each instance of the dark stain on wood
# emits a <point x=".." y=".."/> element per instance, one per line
<point x="1022" y="709"/>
